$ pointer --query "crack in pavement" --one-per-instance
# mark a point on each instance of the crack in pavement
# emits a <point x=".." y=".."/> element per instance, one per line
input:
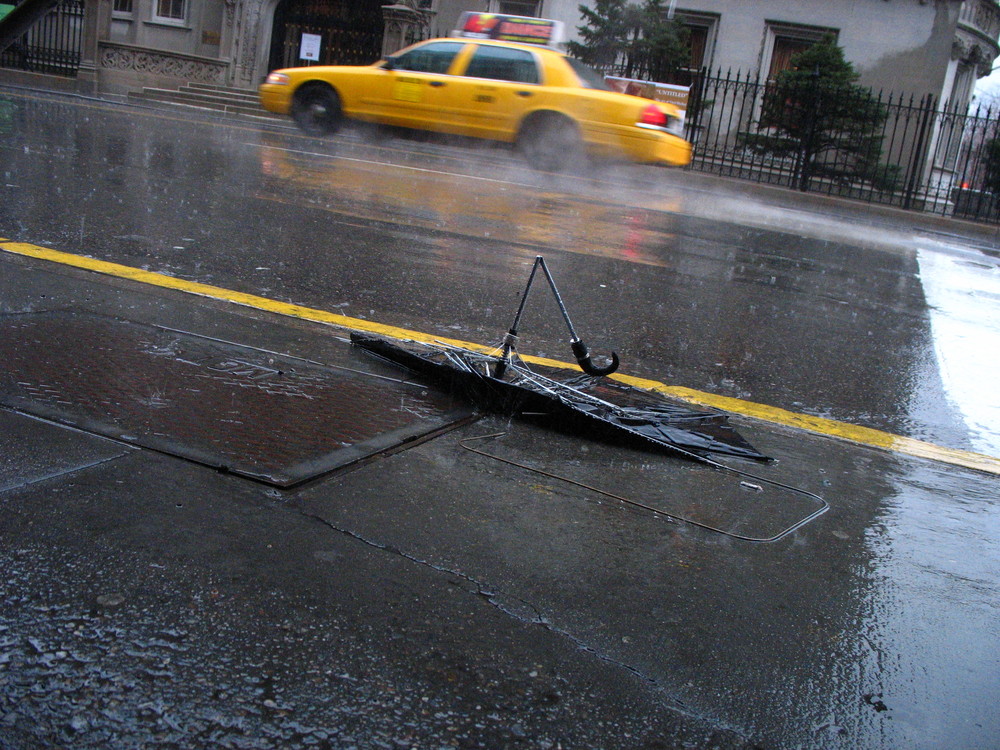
<point x="494" y="598"/>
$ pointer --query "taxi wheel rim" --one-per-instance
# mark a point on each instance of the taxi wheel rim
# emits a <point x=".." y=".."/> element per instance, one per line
<point x="551" y="144"/>
<point x="317" y="112"/>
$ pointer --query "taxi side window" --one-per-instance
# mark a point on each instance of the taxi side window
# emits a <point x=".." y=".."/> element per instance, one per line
<point x="431" y="58"/>
<point x="502" y="64"/>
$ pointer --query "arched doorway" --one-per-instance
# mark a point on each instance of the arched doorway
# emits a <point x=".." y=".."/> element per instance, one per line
<point x="351" y="31"/>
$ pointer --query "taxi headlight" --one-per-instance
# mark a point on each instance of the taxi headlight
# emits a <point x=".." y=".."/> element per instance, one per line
<point x="278" y="79"/>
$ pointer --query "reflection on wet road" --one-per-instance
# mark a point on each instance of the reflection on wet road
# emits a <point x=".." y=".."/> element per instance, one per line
<point x="709" y="290"/>
<point x="934" y="552"/>
<point x="511" y="211"/>
<point x="963" y="295"/>
<point x="706" y="289"/>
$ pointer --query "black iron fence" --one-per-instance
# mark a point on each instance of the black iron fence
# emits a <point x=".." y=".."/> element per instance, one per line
<point x="52" y="45"/>
<point x="844" y="140"/>
<point x="837" y="139"/>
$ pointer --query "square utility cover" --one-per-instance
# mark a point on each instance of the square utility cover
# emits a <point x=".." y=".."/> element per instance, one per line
<point x="255" y="413"/>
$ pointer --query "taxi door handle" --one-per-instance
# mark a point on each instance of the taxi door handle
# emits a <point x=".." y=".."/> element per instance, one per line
<point x="436" y="83"/>
<point x="525" y="93"/>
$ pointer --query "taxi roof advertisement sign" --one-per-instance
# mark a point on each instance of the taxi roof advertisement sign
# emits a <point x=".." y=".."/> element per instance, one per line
<point x="522" y="29"/>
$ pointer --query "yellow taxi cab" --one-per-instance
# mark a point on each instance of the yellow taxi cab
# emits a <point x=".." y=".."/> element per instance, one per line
<point x="551" y="106"/>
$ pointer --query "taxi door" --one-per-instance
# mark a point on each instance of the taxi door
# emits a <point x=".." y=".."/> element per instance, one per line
<point x="409" y="90"/>
<point x="490" y="96"/>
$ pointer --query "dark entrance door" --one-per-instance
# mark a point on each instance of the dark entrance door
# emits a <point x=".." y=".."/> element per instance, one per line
<point x="351" y="31"/>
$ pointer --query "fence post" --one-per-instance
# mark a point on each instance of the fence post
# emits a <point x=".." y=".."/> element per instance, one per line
<point x="928" y="104"/>
<point x="695" y="98"/>
<point x="808" y="144"/>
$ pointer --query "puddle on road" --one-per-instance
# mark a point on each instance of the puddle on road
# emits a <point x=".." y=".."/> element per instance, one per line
<point x="963" y="297"/>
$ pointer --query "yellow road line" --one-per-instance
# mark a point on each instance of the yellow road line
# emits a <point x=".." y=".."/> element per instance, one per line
<point x="832" y="428"/>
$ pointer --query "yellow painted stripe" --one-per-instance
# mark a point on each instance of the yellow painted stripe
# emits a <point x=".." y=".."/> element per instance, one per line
<point x="829" y="427"/>
<point x="215" y="292"/>
<point x="832" y="428"/>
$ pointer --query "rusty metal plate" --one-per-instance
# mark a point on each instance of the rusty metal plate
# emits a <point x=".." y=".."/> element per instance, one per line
<point x="255" y="413"/>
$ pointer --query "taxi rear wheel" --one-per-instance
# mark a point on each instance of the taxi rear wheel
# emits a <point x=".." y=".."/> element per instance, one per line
<point x="550" y="142"/>
<point x="316" y="109"/>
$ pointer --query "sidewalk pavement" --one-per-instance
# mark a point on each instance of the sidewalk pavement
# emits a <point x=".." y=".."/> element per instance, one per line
<point x="152" y="600"/>
<point x="205" y="543"/>
<point x="425" y="594"/>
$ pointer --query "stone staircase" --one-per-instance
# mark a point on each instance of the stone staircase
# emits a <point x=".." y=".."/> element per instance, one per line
<point x="205" y="96"/>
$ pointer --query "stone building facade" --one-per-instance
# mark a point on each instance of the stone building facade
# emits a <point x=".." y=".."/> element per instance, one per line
<point x="937" y="47"/>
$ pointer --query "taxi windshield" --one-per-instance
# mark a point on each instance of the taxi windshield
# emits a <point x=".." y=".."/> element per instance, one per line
<point x="589" y="78"/>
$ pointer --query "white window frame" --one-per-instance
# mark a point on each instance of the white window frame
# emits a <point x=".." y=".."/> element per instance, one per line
<point x="171" y="20"/>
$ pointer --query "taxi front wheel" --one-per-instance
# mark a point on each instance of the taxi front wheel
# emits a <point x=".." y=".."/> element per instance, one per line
<point x="550" y="142"/>
<point x="316" y="109"/>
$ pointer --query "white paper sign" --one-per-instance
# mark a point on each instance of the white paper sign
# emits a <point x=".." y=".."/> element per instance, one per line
<point x="309" y="49"/>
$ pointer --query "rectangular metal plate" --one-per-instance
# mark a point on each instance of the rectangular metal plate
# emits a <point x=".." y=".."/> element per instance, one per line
<point x="255" y="413"/>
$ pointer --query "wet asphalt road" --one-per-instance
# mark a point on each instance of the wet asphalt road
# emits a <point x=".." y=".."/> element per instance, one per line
<point x="455" y="601"/>
<point x="439" y="240"/>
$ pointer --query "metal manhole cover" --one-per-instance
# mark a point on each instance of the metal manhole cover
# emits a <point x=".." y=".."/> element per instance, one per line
<point x="255" y="413"/>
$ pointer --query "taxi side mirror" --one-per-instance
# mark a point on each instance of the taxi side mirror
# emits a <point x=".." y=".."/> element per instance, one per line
<point x="389" y="64"/>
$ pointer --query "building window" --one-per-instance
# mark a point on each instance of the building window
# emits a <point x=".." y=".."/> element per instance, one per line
<point x="515" y="7"/>
<point x="122" y="6"/>
<point x="170" y="10"/>
<point x="961" y="89"/>
<point x="701" y="29"/>
<point x="697" y="41"/>
<point x="783" y="41"/>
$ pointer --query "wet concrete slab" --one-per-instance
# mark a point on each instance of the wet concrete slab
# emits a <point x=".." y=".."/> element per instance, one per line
<point x="749" y="504"/>
<point x="833" y="637"/>
<point x="35" y="450"/>
<point x="440" y="598"/>
<point x="209" y="614"/>
<point x="255" y="413"/>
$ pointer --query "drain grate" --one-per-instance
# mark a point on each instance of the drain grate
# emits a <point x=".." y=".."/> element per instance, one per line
<point x="255" y="413"/>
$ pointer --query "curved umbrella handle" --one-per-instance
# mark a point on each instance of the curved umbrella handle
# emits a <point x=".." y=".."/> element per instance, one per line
<point x="583" y="359"/>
